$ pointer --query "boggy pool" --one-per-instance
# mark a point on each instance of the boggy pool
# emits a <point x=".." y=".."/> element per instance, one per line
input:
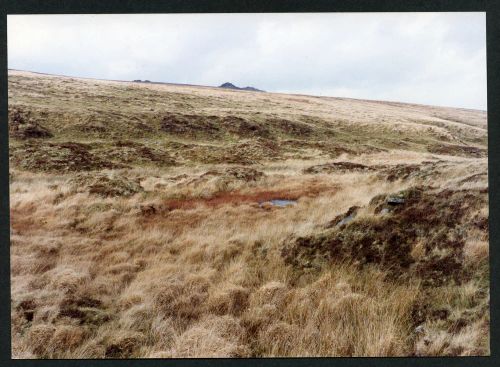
<point x="279" y="202"/>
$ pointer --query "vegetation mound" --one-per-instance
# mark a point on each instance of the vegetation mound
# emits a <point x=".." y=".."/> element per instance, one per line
<point x="210" y="126"/>
<point x="104" y="184"/>
<point x="245" y="174"/>
<point x="190" y="125"/>
<point x="22" y="126"/>
<point x="131" y="152"/>
<point x="415" y="221"/>
<point x="460" y="150"/>
<point x="251" y="151"/>
<point x="338" y="167"/>
<point x="59" y="157"/>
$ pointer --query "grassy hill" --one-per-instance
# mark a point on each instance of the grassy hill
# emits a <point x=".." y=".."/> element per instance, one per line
<point x="143" y="223"/>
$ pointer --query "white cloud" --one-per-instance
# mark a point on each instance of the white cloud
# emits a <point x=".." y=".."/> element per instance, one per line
<point x="430" y="58"/>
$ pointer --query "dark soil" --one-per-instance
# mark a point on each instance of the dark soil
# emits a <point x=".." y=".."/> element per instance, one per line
<point x="128" y="152"/>
<point x="252" y="151"/>
<point x="289" y="127"/>
<point x="59" y="157"/>
<point x="333" y="150"/>
<point x="212" y="126"/>
<point x="27" y="309"/>
<point x="245" y="174"/>
<point x="84" y="309"/>
<point x="236" y="126"/>
<point x="460" y="150"/>
<point x="245" y="128"/>
<point x="22" y="126"/>
<point x="123" y="347"/>
<point x="401" y="172"/>
<point x="191" y="125"/>
<point x="473" y="178"/>
<point x="338" y="167"/>
<point x="436" y="219"/>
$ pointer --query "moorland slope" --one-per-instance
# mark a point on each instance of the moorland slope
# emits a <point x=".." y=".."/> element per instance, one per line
<point x="143" y="223"/>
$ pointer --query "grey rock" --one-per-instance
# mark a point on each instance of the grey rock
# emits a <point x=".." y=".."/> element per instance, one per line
<point x="346" y="220"/>
<point x="394" y="200"/>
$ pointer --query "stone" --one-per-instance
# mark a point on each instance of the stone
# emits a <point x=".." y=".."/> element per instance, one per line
<point x="394" y="200"/>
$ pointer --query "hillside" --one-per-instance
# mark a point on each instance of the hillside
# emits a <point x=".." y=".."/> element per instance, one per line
<point x="174" y="120"/>
<point x="144" y="223"/>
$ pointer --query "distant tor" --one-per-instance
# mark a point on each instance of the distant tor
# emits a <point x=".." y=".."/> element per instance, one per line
<point x="228" y="85"/>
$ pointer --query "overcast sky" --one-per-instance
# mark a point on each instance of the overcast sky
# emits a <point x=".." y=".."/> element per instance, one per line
<point x="429" y="58"/>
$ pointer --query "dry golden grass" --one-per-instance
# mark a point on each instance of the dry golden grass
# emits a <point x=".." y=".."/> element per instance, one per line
<point x="192" y="266"/>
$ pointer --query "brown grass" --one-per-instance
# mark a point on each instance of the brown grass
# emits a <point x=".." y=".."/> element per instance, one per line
<point x="188" y="264"/>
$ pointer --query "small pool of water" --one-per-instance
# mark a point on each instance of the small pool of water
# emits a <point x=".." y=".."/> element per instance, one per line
<point x="280" y="202"/>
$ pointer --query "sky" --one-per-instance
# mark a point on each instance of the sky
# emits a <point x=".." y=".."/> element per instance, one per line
<point x="427" y="58"/>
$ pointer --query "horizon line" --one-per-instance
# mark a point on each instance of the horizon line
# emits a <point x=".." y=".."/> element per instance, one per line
<point x="242" y="90"/>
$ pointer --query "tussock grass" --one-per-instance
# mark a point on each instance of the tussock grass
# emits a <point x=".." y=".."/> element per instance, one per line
<point x="175" y="256"/>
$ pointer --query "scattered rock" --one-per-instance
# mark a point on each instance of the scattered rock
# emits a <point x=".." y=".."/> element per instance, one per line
<point x="394" y="200"/>
<point x="384" y="204"/>
<point x="345" y="218"/>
